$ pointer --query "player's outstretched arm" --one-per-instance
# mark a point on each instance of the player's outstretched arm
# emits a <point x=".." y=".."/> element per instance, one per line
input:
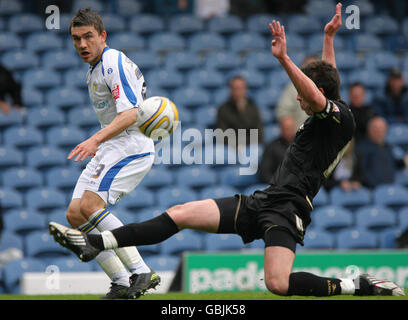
<point x="329" y="32"/>
<point x="305" y="87"/>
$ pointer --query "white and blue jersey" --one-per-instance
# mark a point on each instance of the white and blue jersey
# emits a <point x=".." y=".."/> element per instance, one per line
<point x="115" y="85"/>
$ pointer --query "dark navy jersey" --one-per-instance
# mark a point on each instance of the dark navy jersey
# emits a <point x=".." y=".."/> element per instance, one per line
<point x="318" y="147"/>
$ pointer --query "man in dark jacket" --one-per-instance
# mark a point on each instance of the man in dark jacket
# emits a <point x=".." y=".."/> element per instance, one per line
<point x="9" y="87"/>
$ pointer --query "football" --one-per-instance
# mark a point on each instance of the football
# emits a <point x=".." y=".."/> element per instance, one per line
<point x="157" y="117"/>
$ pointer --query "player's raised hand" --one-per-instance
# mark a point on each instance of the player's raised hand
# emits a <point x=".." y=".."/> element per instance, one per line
<point x="279" y="42"/>
<point x="88" y="148"/>
<point x="335" y="23"/>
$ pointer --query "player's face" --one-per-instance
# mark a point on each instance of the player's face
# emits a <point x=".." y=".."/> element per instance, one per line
<point x="88" y="43"/>
<point x="304" y="106"/>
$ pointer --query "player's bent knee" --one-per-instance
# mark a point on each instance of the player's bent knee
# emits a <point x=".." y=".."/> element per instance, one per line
<point x="277" y="285"/>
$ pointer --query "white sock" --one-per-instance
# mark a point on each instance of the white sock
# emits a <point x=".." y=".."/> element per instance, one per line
<point x="104" y="220"/>
<point x="347" y="286"/>
<point x="109" y="261"/>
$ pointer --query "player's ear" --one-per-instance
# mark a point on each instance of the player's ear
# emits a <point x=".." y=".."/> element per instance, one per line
<point x="321" y="90"/>
<point x="104" y="35"/>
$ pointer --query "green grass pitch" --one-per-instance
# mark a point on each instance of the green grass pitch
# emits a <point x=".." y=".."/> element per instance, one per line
<point x="203" y="296"/>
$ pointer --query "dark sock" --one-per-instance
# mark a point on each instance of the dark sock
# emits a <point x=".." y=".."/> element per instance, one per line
<point x="308" y="284"/>
<point x="135" y="234"/>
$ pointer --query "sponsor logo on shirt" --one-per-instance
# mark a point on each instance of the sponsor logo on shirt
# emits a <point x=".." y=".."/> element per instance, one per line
<point x="115" y="91"/>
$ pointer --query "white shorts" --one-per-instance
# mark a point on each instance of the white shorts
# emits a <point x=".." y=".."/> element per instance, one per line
<point x="116" y="169"/>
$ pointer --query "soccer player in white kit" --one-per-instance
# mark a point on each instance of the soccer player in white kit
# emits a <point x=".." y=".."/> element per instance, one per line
<point x="121" y="154"/>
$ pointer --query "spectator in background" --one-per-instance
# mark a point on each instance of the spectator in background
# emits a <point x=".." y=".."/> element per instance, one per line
<point x="288" y="105"/>
<point x="362" y="113"/>
<point x="239" y="111"/>
<point x="377" y="158"/>
<point x="348" y="174"/>
<point x="207" y="9"/>
<point x="275" y="150"/>
<point x="9" y="88"/>
<point x="391" y="106"/>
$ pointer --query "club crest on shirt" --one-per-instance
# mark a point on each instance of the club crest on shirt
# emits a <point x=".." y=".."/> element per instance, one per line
<point x="94" y="86"/>
<point x="115" y="91"/>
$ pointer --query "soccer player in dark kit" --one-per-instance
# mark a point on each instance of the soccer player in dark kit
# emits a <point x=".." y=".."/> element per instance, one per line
<point x="280" y="213"/>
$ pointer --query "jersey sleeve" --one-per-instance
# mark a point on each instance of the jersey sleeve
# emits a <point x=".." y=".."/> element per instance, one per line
<point x="331" y="112"/>
<point x="125" y="81"/>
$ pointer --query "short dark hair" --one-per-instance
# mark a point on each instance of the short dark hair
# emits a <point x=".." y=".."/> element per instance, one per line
<point x="325" y="76"/>
<point x="236" y="77"/>
<point x="87" y="17"/>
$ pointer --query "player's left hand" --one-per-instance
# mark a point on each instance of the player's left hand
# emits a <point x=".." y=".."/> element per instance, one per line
<point x="335" y="23"/>
<point x="88" y="148"/>
<point x="279" y="41"/>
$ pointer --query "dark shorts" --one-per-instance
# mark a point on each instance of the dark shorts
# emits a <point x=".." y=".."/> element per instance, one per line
<point x="277" y="225"/>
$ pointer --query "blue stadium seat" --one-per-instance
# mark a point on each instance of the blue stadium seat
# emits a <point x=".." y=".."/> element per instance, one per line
<point x="146" y="24"/>
<point x="170" y="196"/>
<point x="125" y="216"/>
<point x="398" y="134"/>
<point x="10" y="41"/>
<point x="322" y="198"/>
<point x="40" y="244"/>
<point x="157" y="177"/>
<point x="268" y="97"/>
<point x="166" y="42"/>
<point x="191" y="97"/>
<point x="41" y="78"/>
<point x="223" y="60"/>
<point x="364" y="42"/>
<point x="318" y="239"/>
<point x="260" y="23"/>
<point x="182" y="61"/>
<point x="10" y="199"/>
<point x="196" y="177"/>
<point x="352" y="199"/>
<point x="22" y="137"/>
<point x="145" y="60"/>
<point x="65" y="97"/>
<point x="347" y="60"/>
<point x="206" y="116"/>
<point x="370" y="78"/>
<point x="402" y="177"/>
<point x="232" y="177"/>
<point x="45" y="199"/>
<point x="22" y="221"/>
<point x="43" y="42"/>
<point x="163" y="262"/>
<point x="19" y="60"/>
<point x="319" y="9"/>
<point x="25" y="23"/>
<point x="315" y="44"/>
<point x="245" y="42"/>
<point x="14" y="270"/>
<point x="278" y="79"/>
<point x="206" y="42"/>
<point x="403" y="217"/>
<point x="65" y="137"/>
<point x="11" y="240"/>
<point x="222" y="242"/>
<point x="62" y="178"/>
<point x="60" y="60"/>
<point x="186" y="24"/>
<point x="267" y="116"/>
<point x="209" y="79"/>
<point x="388" y="238"/>
<point x="381" y="25"/>
<point x="10" y="7"/>
<point x="186" y="240"/>
<point x="261" y="61"/>
<point x="71" y="264"/>
<point x="10" y="157"/>
<point x="113" y="22"/>
<point x="271" y="132"/>
<point x="332" y="218"/>
<point x="218" y="191"/>
<point x="129" y="8"/>
<point x="11" y="119"/>
<point x="167" y="79"/>
<point x="225" y="25"/>
<point x="58" y="216"/>
<point x="295" y="42"/>
<point x="127" y="41"/>
<point x="141" y="197"/>
<point x="303" y="24"/>
<point x="45" y="157"/>
<point x="375" y="217"/>
<point x="22" y="178"/>
<point x="93" y="4"/>
<point x="382" y="60"/>
<point x="45" y="117"/>
<point x="83" y="117"/>
<point x="76" y="78"/>
<point x="32" y="98"/>
<point x="221" y="95"/>
<point x="391" y="195"/>
<point x="356" y="238"/>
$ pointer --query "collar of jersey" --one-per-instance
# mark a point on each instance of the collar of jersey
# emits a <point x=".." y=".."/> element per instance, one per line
<point x="104" y="50"/>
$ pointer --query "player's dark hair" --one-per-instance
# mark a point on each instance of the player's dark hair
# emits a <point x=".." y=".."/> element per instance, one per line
<point x="87" y="17"/>
<point x="325" y="76"/>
